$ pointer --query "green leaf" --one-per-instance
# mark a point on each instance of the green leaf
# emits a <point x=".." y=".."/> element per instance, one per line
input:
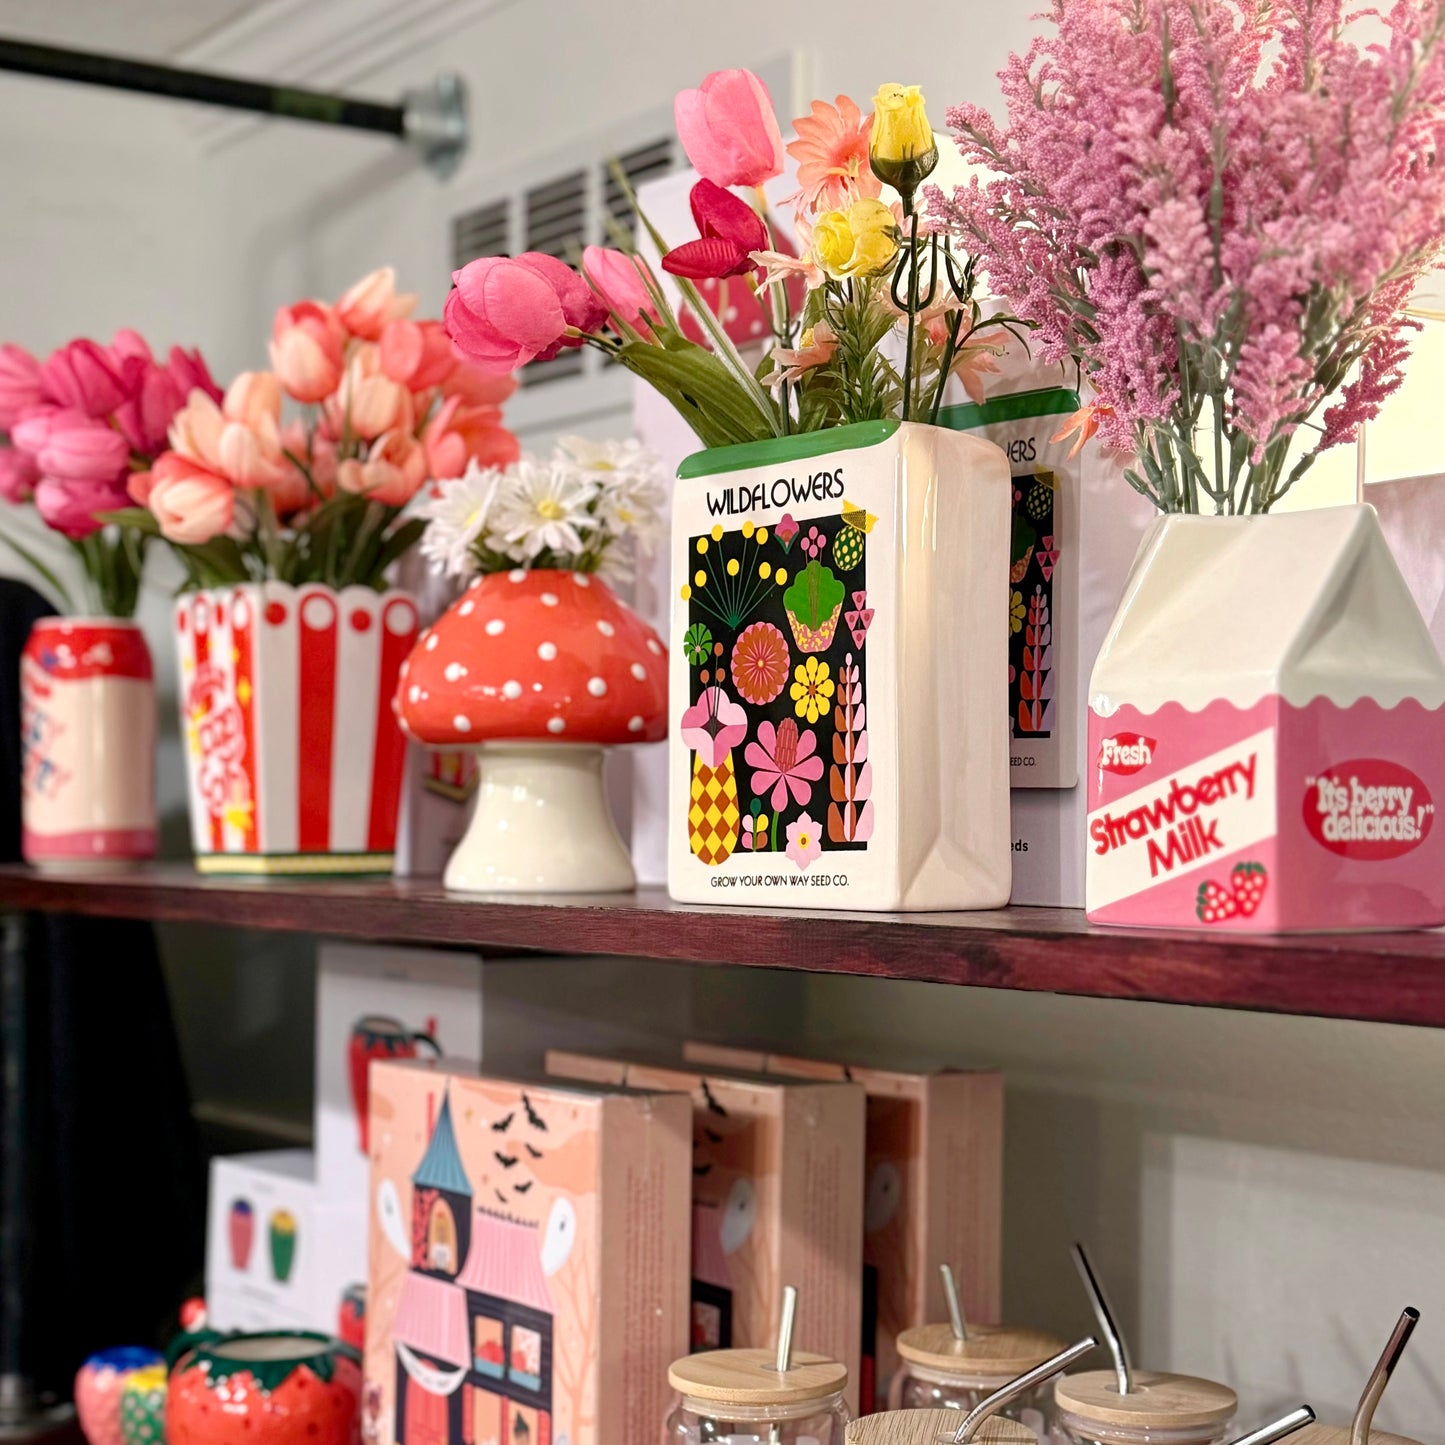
<point x="703" y="390"/>
<point x="137" y="519"/>
<point x="41" y="570"/>
<point x="402" y="540"/>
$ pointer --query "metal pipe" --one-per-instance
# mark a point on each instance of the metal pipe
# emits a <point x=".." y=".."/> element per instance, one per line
<point x="1286" y="1425"/>
<point x="1108" y="1325"/>
<point x="785" y="1329"/>
<point x="1380" y="1376"/>
<point x="955" y="1309"/>
<point x="1021" y="1386"/>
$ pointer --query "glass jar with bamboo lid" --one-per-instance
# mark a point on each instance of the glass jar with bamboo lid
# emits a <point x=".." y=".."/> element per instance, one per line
<point x="758" y="1397"/>
<point x="954" y="1366"/>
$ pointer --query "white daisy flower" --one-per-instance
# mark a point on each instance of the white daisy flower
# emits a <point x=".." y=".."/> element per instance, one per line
<point x="457" y="517"/>
<point x="544" y="508"/>
<point x="629" y="478"/>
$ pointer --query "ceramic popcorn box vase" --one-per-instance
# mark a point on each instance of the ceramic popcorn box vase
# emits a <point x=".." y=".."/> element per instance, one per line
<point x="294" y="760"/>
<point x="838" y="684"/>
<point x="1266" y="734"/>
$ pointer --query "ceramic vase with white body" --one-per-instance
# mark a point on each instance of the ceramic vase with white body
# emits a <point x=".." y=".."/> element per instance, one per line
<point x="294" y="761"/>
<point x="839" y="676"/>
<point x="1267" y="733"/>
<point x="88" y="733"/>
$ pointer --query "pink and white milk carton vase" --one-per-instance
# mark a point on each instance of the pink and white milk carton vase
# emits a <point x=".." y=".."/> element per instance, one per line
<point x="1267" y="733"/>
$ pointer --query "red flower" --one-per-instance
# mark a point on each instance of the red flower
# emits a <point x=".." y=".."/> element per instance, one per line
<point x="760" y="663"/>
<point x="730" y="232"/>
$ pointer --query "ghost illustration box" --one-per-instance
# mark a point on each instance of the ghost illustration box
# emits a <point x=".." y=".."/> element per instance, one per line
<point x="528" y="1259"/>
<point x="777" y="1198"/>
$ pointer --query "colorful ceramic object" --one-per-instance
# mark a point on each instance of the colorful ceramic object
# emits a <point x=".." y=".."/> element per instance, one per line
<point x="242" y="1226"/>
<point x="540" y="670"/>
<point x="375" y="1037"/>
<point x="143" y="1406"/>
<point x="839" y="685"/>
<point x="98" y="1387"/>
<point x="1280" y="773"/>
<point x="295" y="764"/>
<point x="351" y="1317"/>
<point x="282" y="1235"/>
<point x="274" y="1388"/>
<point x="89" y="736"/>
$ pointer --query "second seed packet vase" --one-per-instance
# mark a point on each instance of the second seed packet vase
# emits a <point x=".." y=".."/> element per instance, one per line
<point x="1267" y="733"/>
<point x="838" y="656"/>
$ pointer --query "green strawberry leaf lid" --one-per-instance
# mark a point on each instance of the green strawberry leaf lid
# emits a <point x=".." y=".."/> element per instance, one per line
<point x="270" y="1357"/>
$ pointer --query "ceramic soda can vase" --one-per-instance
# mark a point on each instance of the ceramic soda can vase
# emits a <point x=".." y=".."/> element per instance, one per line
<point x="839" y="672"/>
<point x="275" y="1388"/>
<point x="1267" y="733"/>
<point x="88" y="732"/>
<point x="294" y="761"/>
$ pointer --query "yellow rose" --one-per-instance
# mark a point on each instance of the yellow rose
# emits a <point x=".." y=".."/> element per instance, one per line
<point x="902" y="150"/>
<point x="861" y="241"/>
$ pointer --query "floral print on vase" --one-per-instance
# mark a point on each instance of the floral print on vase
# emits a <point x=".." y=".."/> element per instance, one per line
<point x="712" y="727"/>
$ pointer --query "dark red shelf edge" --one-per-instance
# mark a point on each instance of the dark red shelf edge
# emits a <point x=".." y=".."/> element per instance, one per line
<point x="1395" y="978"/>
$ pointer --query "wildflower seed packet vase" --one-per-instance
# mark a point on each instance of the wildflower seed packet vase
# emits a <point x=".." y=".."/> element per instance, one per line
<point x="839" y="679"/>
<point x="1266" y="733"/>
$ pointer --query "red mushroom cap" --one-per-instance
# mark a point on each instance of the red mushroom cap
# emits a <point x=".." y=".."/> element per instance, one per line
<point x="542" y="654"/>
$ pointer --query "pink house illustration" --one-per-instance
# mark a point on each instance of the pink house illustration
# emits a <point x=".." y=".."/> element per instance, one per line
<point x="473" y="1328"/>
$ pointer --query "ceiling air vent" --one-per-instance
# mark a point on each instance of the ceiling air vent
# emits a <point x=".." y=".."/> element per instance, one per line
<point x="483" y="232"/>
<point x="556" y="224"/>
<point x="639" y="165"/>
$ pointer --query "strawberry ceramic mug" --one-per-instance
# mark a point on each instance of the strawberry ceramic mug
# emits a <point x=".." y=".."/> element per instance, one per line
<point x="378" y="1037"/>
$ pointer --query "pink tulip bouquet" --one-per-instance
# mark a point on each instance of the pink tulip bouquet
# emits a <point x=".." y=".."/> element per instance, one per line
<point x="382" y="404"/>
<point x="865" y="269"/>
<point x="77" y="427"/>
<point x="1219" y="209"/>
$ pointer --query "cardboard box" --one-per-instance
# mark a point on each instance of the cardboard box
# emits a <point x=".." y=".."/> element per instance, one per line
<point x="933" y="1195"/>
<point x="777" y="1172"/>
<point x="528" y="1259"/>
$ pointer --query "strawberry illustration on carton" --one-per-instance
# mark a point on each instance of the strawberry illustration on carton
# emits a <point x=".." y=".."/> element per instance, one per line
<point x="1280" y="774"/>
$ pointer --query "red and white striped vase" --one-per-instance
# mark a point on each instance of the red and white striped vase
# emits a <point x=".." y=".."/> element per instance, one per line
<point x="88" y="705"/>
<point x="294" y="760"/>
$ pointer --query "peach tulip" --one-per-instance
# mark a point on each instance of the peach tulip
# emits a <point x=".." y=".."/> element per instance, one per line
<point x="195" y="431"/>
<point x="319" y="459"/>
<point x="393" y="471"/>
<point x="477" y="387"/>
<point x="192" y="505"/>
<point x="250" y="457"/>
<point x="253" y="398"/>
<point x="366" y="308"/>
<point x="418" y="354"/>
<point x="371" y="402"/>
<point x="307" y="348"/>
<point x="458" y="434"/>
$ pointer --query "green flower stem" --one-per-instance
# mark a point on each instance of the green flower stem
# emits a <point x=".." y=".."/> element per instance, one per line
<point x="912" y="306"/>
<point x="729" y="355"/>
<point x="774" y="831"/>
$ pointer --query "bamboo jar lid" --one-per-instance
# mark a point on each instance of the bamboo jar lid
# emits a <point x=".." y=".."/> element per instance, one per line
<point x="748" y="1377"/>
<point x="1158" y="1400"/>
<point x="989" y="1350"/>
<point x="926" y="1427"/>
<point x="1318" y="1434"/>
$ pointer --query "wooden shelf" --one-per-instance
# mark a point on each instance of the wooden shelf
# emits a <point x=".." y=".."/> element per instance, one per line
<point x="1390" y="978"/>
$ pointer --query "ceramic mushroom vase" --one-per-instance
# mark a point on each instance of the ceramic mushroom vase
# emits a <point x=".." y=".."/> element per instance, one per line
<point x="540" y="671"/>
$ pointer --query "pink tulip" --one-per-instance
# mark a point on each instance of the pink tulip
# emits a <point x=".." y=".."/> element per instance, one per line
<point x="418" y="354"/>
<point x="191" y="373"/>
<point x="459" y="434"/>
<point x="506" y="312"/>
<point x="35" y="425"/>
<point x="307" y="346"/>
<point x="145" y="417"/>
<point x="254" y="398"/>
<point x="18" y="474"/>
<point x="192" y="505"/>
<point x="729" y="232"/>
<point x="82" y="449"/>
<point x="617" y="279"/>
<point x="196" y="431"/>
<point x="477" y="387"/>
<point x="129" y="345"/>
<point x="372" y="302"/>
<point x="392" y="473"/>
<point x="370" y="401"/>
<point x="20" y="388"/>
<point x="728" y="129"/>
<point x="85" y="377"/>
<point x="70" y="507"/>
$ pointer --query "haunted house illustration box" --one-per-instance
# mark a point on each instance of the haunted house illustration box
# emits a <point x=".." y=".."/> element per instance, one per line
<point x="528" y="1258"/>
<point x="777" y="1199"/>
<point x="932" y="1194"/>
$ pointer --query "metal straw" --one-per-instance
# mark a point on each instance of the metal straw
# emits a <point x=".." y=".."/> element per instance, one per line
<point x="1287" y="1425"/>
<point x="1113" y="1335"/>
<point x="1021" y="1386"/>
<point x="785" y="1329"/>
<point x="1380" y="1377"/>
<point x="955" y="1310"/>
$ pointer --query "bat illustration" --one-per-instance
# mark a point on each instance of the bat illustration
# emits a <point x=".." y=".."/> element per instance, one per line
<point x="523" y="1188"/>
<point x="713" y="1107"/>
<point x="713" y="1135"/>
<point x="533" y="1117"/>
<point x="700" y="1171"/>
<point x="505" y="1160"/>
<point x="502" y="1198"/>
<point x="535" y="1153"/>
<point x="502" y="1125"/>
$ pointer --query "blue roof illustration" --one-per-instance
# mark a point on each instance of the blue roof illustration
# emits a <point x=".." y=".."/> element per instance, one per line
<point x="441" y="1165"/>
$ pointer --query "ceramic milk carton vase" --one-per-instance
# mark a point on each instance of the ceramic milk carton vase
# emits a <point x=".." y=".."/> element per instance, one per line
<point x="839" y="672"/>
<point x="1266" y="735"/>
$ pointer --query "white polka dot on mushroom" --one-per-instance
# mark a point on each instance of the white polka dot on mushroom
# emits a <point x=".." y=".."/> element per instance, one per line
<point x="495" y="627"/>
<point x="414" y="693"/>
<point x="547" y="651"/>
<point x="654" y="647"/>
<point x="638" y="671"/>
<point x="581" y="579"/>
<point x="517" y="574"/>
<point x="606" y="628"/>
<point x="549" y="599"/>
<point x="556" y="725"/>
<point x="536" y="687"/>
<point x="467" y="608"/>
<point x="431" y="643"/>
<point x="597" y="687"/>
<point x="635" y="724"/>
<point x="462" y="724"/>
<point x="512" y="689"/>
<point x="453" y="671"/>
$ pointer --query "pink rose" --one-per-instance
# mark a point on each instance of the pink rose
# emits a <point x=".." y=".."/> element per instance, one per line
<point x="191" y="504"/>
<point x="82" y="449"/>
<point x="307" y="344"/>
<point x="728" y="129"/>
<point x="617" y="279"/>
<point x="506" y="312"/>
<point x="372" y="302"/>
<point x="20" y="388"/>
<point x="418" y="354"/>
<point x="18" y="474"/>
<point x="85" y="377"/>
<point x="459" y="434"/>
<point x="70" y="507"/>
